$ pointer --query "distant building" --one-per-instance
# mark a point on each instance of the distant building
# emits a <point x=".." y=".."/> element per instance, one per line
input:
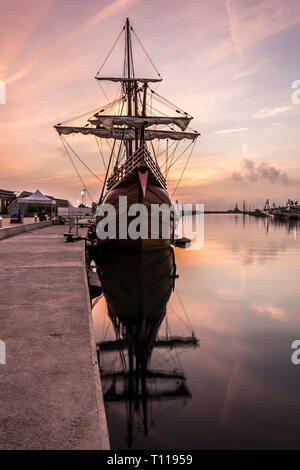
<point x="236" y="210"/>
<point x="6" y="198"/>
<point x="60" y="202"/>
<point x="9" y="200"/>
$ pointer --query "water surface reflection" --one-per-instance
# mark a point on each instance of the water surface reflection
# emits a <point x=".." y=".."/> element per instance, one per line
<point x="239" y="294"/>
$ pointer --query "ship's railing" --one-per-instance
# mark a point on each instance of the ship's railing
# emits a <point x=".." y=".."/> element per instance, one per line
<point x="139" y="158"/>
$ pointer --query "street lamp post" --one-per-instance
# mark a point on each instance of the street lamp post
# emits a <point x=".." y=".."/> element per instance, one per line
<point x="82" y="196"/>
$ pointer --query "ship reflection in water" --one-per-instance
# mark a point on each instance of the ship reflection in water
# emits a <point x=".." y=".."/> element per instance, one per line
<point x="137" y="287"/>
<point x="240" y="296"/>
<point x="291" y="225"/>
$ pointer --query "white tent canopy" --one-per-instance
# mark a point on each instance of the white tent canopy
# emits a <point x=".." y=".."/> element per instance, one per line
<point x="36" y="198"/>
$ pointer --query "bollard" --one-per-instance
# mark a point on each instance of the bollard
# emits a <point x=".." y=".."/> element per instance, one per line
<point x="35" y="218"/>
<point x="1" y="222"/>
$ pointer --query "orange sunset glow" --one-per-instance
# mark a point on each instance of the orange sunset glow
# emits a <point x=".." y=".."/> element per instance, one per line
<point x="229" y="63"/>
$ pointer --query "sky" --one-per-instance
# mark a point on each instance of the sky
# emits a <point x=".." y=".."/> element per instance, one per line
<point x="228" y="63"/>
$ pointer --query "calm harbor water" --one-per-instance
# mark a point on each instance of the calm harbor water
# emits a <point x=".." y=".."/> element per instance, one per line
<point x="239" y="295"/>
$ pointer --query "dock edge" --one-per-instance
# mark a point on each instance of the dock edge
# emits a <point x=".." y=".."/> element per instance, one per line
<point x="104" y="444"/>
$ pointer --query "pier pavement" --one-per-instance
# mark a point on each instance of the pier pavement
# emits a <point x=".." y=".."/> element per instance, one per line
<point x="50" y="390"/>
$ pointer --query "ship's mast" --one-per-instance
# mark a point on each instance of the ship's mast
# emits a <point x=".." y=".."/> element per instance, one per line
<point x="129" y="91"/>
<point x="133" y="128"/>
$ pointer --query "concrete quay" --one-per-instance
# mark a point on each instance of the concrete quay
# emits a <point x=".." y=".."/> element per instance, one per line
<point x="50" y="389"/>
<point x="8" y="230"/>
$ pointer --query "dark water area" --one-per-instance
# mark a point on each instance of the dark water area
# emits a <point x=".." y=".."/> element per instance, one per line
<point x="238" y="388"/>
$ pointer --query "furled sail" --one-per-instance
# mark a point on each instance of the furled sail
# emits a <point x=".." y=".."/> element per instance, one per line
<point x="138" y="121"/>
<point x="126" y="134"/>
<point x="130" y="79"/>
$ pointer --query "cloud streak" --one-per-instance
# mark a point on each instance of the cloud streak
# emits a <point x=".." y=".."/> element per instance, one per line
<point x="250" y="22"/>
<point x="103" y="14"/>
<point x="23" y="24"/>
<point x="233" y="22"/>
<point x="232" y="131"/>
<point x="249" y="71"/>
<point x="270" y="310"/>
<point x="270" y="112"/>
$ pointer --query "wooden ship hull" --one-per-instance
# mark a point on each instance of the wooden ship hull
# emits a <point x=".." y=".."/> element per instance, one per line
<point x="141" y="181"/>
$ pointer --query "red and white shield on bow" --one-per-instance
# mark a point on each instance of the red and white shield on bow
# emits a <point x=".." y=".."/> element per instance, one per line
<point x="143" y="177"/>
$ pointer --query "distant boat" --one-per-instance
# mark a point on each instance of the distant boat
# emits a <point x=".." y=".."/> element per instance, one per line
<point x="291" y="211"/>
<point x="259" y="213"/>
<point x="277" y="214"/>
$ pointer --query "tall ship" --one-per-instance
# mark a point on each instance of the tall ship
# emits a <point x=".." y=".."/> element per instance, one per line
<point x="132" y="127"/>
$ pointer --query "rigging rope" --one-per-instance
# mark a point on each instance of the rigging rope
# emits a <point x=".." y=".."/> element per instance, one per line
<point x="100" y="152"/>
<point x="120" y="102"/>
<point x="106" y="331"/>
<point x="184" y="169"/>
<point x="93" y="111"/>
<point x="174" y="106"/>
<point x="96" y="110"/>
<point x="106" y="175"/>
<point x="131" y="57"/>
<point x="119" y="151"/>
<point x="165" y="104"/>
<point x="77" y="156"/>
<point x="186" y="315"/>
<point x="151" y="61"/>
<point x="112" y="48"/>
<point x="79" y="176"/>
<point x="187" y="324"/>
<point x="178" y="156"/>
<point x="154" y="152"/>
<point x="102" y="89"/>
<point x="171" y="159"/>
